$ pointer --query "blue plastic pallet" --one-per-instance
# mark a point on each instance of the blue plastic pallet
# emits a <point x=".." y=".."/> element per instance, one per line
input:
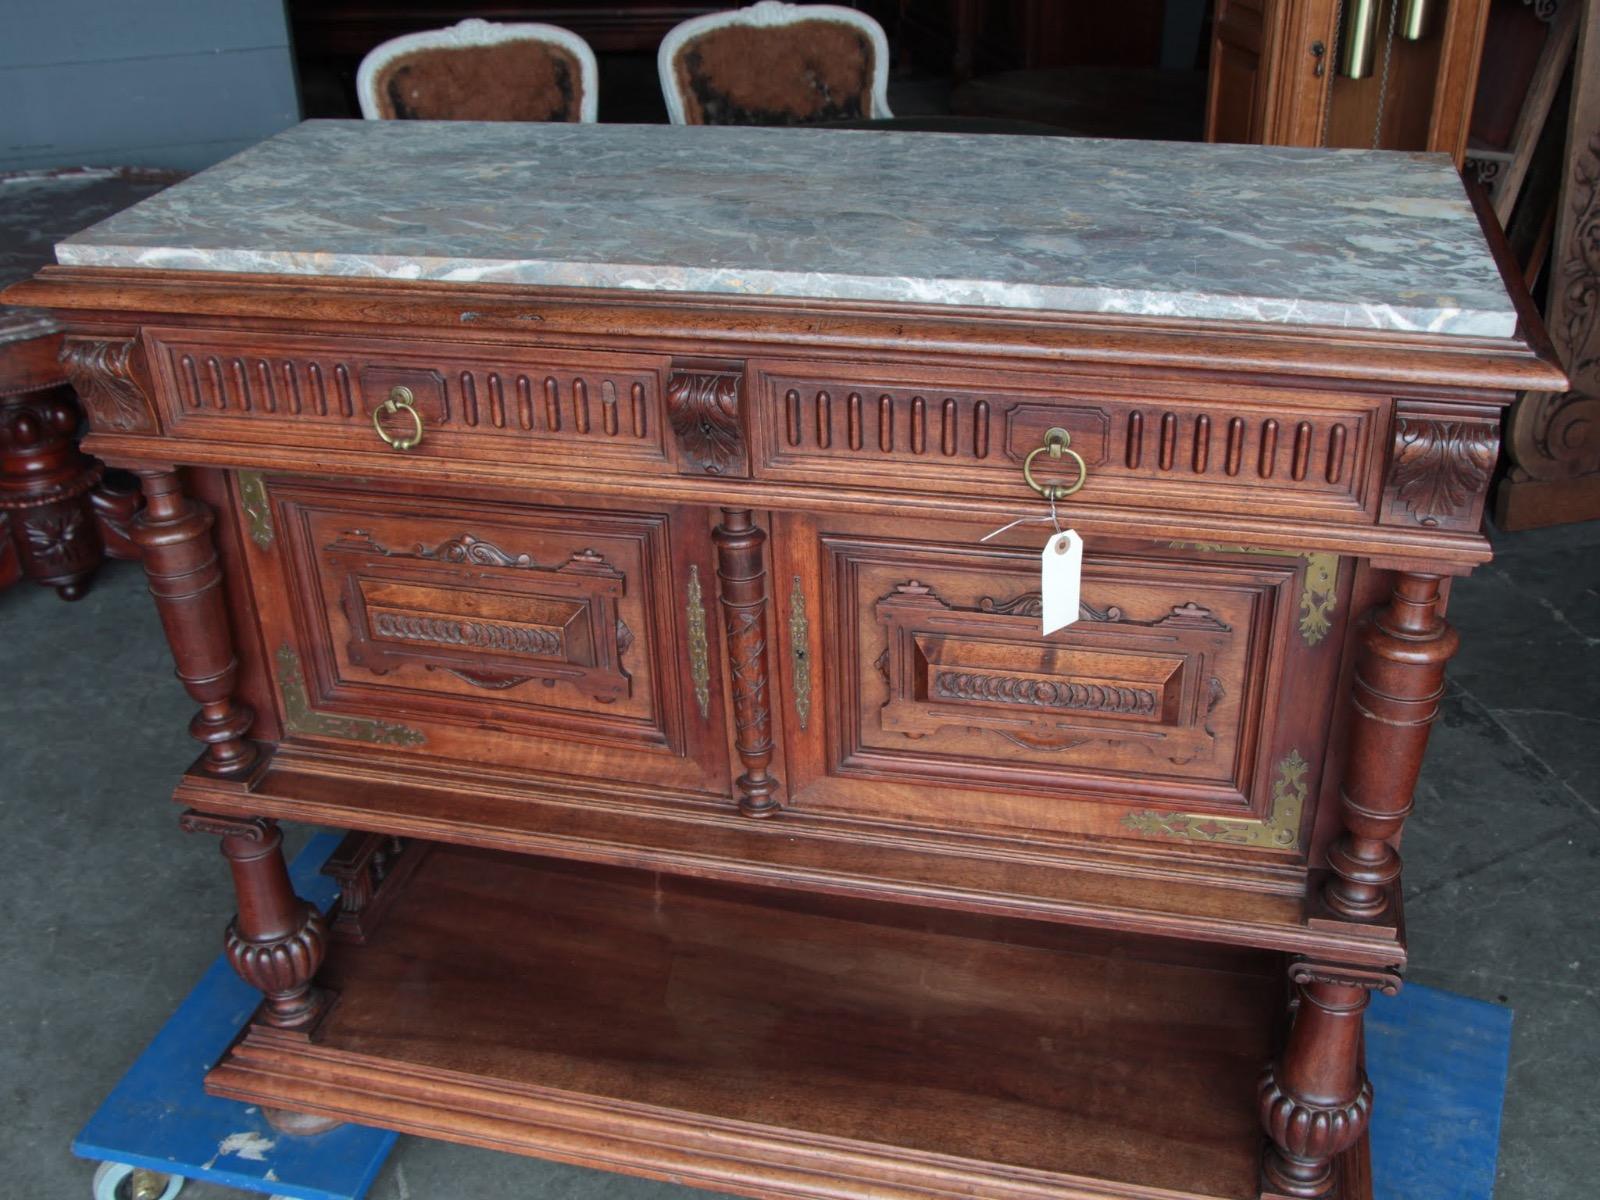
<point x="1438" y="1064"/>
<point x="160" y="1117"/>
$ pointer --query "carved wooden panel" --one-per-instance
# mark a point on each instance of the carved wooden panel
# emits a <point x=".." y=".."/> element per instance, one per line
<point x="953" y="709"/>
<point x="508" y="634"/>
<point x="1554" y="437"/>
<point x="1439" y="467"/>
<point x="703" y="406"/>
<point x="500" y="401"/>
<point x="548" y="625"/>
<point x="1301" y="449"/>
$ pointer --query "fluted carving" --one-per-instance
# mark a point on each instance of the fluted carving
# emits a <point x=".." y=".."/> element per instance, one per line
<point x="1308" y="1132"/>
<point x="282" y="967"/>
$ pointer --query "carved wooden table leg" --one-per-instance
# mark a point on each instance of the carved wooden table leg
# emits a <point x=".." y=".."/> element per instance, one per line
<point x="744" y="609"/>
<point x="277" y="941"/>
<point x="44" y="485"/>
<point x="1315" y="1100"/>
<point x="174" y="534"/>
<point x="1399" y="681"/>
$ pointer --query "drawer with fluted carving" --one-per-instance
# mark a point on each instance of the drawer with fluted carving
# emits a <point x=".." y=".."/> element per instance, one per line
<point x="1241" y="448"/>
<point x="430" y="399"/>
<point x="1167" y="711"/>
<point x="510" y="634"/>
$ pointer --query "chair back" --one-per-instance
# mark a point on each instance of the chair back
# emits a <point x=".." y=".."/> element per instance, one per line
<point x="775" y="64"/>
<point x="480" y="71"/>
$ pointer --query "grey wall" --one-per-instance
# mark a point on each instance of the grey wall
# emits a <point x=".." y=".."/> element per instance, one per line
<point x="148" y="83"/>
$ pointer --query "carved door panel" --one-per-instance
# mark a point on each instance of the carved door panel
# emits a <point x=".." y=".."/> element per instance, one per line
<point x="1189" y="701"/>
<point x="1242" y="34"/>
<point x="565" y="641"/>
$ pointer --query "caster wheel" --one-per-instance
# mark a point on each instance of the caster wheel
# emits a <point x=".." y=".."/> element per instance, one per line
<point x="119" y="1181"/>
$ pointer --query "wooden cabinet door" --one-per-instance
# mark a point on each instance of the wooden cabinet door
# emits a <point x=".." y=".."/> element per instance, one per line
<point x="1190" y="700"/>
<point x="1269" y="85"/>
<point x="520" y="635"/>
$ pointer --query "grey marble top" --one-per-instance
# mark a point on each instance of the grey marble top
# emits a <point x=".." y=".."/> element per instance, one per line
<point x="1354" y="239"/>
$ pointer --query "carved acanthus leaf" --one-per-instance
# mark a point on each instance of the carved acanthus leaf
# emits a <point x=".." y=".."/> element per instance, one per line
<point x="102" y="374"/>
<point x="703" y="408"/>
<point x="1440" y="468"/>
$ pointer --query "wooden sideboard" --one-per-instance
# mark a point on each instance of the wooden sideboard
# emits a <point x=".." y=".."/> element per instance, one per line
<point x="752" y="836"/>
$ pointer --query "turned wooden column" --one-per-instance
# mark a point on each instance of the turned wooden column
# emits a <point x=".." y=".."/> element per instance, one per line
<point x="1315" y="1099"/>
<point x="180" y="559"/>
<point x="277" y="941"/>
<point x="744" y="610"/>
<point x="1399" y="681"/>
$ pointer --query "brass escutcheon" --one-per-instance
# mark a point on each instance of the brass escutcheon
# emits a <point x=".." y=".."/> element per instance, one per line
<point x="400" y="400"/>
<point x="1057" y="442"/>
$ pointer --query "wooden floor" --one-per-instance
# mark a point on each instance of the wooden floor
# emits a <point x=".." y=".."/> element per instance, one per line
<point x="775" y="1043"/>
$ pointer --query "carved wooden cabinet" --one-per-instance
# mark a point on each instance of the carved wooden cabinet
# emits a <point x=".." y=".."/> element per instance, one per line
<point x="728" y="816"/>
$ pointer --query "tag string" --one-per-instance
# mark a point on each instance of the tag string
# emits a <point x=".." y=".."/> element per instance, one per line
<point x="1053" y="518"/>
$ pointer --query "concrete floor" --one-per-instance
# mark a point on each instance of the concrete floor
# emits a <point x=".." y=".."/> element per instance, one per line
<point x="108" y="914"/>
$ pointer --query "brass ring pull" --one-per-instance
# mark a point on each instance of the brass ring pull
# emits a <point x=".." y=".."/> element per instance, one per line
<point x="1057" y="442"/>
<point x="400" y="400"/>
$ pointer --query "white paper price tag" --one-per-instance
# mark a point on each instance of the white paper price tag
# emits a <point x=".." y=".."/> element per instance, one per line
<point x="1060" y="574"/>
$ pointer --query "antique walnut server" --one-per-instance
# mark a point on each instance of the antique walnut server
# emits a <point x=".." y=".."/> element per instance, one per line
<point x="590" y="519"/>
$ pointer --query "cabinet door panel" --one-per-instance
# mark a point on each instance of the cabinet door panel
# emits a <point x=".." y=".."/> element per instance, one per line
<point x="1181" y="690"/>
<point x="519" y="635"/>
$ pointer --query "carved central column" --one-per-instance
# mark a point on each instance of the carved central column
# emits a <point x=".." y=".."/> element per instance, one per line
<point x="1399" y="682"/>
<point x="744" y="610"/>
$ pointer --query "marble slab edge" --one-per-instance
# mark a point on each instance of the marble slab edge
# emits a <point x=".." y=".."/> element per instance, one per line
<point x="964" y="293"/>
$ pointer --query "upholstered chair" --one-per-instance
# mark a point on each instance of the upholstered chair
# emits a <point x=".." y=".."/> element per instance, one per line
<point x="480" y="71"/>
<point x="775" y="64"/>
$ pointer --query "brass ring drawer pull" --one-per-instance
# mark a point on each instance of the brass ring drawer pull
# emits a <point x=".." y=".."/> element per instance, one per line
<point x="1057" y="442"/>
<point x="400" y="400"/>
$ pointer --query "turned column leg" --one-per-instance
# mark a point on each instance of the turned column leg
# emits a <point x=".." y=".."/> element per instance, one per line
<point x="180" y="559"/>
<point x="277" y="941"/>
<point x="1315" y="1099"/>
<point x="1399" y="682"/>
<point x="744" y="610"/>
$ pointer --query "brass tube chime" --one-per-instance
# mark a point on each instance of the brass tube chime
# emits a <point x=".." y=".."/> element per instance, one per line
<point x="1414" y="19"/>
<point x="1358" y="40"/>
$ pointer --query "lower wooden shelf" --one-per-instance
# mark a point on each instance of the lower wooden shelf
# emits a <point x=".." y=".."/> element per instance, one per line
<point x="785" y="1044"/>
